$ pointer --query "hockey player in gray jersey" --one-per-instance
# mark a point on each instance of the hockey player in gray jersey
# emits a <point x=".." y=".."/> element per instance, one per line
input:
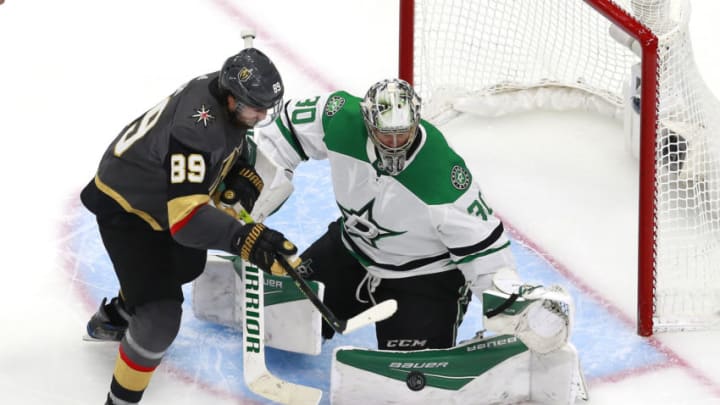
<point x="414" y="225"/>
<point x="152" y="200"/>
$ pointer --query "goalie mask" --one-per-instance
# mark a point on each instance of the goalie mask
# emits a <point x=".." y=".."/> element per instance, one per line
<point x="253" y="81"/>
<point x="391" y="111"/>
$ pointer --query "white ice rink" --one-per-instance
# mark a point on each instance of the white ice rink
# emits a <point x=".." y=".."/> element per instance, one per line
<point x="73" y="73"/>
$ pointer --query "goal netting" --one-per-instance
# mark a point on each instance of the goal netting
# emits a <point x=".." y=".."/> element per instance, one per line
<point x="494" y="57"/>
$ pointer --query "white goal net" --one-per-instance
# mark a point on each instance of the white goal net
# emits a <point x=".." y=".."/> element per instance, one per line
<point x="494" y="57"/>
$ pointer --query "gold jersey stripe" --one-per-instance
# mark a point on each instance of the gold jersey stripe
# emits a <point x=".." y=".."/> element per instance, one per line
<point x="179" y="208"/>
<point x="126" y="205"/>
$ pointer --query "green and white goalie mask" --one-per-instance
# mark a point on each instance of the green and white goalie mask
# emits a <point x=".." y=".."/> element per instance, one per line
<point x="391" y="111"/>
<point x="541" y="317"/>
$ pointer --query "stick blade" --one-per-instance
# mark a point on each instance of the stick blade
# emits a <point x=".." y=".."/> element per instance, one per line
<point x="284" y="392"/>
<point x="371" y="315"/>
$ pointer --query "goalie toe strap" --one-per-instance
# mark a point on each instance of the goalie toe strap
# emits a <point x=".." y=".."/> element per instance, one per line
<point x="502" y="307"/>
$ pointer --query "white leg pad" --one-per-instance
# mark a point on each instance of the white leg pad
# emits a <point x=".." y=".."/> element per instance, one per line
<point x="217" y="296"/>
<point x="557" y="378"/>
<point x="496" y="370"/>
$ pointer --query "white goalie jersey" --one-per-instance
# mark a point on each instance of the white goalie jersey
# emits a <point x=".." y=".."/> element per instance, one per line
<point x="429" y="218"/>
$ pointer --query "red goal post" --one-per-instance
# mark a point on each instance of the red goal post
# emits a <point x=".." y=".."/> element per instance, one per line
<point x="474" y="49"/>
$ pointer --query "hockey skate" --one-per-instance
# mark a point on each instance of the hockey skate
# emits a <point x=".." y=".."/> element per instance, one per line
<point x="108" y="323"/>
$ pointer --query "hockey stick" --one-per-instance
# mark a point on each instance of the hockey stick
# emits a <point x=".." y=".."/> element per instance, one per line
<point x="371" y="315"/>
<point x="376" y="313"/>
<point x="257" y="377"/>
<point x="281" y="265"/>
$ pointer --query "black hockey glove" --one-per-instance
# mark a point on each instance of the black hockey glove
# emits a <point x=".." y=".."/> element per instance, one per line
<point x="243" y="185"/>
<point x="260" y="245"/>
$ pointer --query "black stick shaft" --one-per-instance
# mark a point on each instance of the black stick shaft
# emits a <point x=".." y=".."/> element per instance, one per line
<point x="337" y="324"/>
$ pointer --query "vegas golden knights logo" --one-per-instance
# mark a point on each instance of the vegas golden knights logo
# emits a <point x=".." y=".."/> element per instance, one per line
<point x="244" y="74"/>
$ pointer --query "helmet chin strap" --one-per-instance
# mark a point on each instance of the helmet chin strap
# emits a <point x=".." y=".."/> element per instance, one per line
<point x="236" y="114"/>
<point x="238" y="107"/>
<point x="272" y="113"/>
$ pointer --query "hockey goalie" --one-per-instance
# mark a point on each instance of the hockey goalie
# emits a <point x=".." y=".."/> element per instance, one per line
<point x="443" y="240"/>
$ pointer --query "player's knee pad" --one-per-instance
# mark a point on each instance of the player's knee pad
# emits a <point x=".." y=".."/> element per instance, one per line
<point x="155" y="325"/>
<point x="541" y="317"/>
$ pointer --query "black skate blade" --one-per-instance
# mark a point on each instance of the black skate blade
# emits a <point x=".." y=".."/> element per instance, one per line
<point x="87" y="338"/>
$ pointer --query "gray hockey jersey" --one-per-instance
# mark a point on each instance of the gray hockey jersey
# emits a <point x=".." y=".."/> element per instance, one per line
<point x="165" y="164"/>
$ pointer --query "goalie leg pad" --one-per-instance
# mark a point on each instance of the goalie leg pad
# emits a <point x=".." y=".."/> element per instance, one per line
<point x="495" y="370"/>
<point x="218" y="297"/>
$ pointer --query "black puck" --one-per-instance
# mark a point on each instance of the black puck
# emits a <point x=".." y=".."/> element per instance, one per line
<point x="415" y="381"/>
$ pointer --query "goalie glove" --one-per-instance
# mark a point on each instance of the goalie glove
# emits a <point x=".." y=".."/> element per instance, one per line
<point x="261" y="246"/>
<point x="541" y="317"/>
<point x="242" y="189"/>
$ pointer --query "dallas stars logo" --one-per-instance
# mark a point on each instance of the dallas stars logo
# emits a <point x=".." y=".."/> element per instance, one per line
<point x="203" y="115"/>
<point x="334" y="105"/>
<point x="362" y="224"/>
<point x="460" y="177"/>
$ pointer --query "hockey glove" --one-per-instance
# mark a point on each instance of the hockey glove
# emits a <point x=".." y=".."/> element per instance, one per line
<point x="242" y="186"/>
<point x="260" y="245"/>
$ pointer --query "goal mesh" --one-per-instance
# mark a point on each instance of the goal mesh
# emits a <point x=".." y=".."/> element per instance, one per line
<point x="494" y="57"/>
